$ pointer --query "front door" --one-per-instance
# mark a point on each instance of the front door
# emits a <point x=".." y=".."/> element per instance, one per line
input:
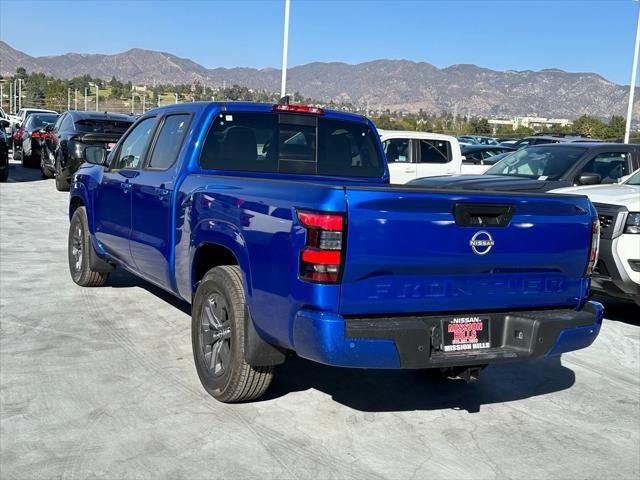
<point x="435" y="157"/>
<point x="113" y="197"/>
<point x="152" y="199"/>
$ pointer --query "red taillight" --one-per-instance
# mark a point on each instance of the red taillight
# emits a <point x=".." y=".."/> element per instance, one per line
<point x="298" y="109"/>
<point x="37" y="135"/>
<point x="594" y="247"/>
<point x="321" y="258"/>
<point x="18" y="135"/>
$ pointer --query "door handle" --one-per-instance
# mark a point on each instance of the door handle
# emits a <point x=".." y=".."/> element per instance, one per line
<point x="162" y="192"/>
<point x="126" y="186"/>
<point x="409" y="170"/>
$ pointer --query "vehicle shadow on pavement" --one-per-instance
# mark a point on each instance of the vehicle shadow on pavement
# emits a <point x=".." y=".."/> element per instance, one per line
<point x="410" y="390"/>
<point x="370" y="390"/>
<point x="18" y="174"/>
<point x="120" y="278"/>
<point x="619" y="310"/>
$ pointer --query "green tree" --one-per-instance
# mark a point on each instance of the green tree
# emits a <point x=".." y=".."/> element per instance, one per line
<point x="589" y="126"/>
<point x="615" y="128"/>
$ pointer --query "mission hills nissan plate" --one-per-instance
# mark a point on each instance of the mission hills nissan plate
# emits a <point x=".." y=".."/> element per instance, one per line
<point x="465" y="333"/>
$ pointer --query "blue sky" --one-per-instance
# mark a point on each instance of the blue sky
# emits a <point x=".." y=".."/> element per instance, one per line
<point x="576" y="35"/>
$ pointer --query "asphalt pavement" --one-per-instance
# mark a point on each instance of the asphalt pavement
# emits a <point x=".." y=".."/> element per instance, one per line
<point x="100" y="383"/>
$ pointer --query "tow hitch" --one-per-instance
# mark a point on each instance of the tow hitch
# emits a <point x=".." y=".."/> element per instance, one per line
<point x="468" y="374"/>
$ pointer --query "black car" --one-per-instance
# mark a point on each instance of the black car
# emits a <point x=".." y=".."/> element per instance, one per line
<point x="66" y="140"/>
<point x="28" y="141"/>
<point x="546" y="167"/>
<point x="483" y="154"/>
<point x="4" y="151"/>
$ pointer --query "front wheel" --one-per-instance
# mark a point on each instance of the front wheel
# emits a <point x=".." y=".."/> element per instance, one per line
<point x="217" y="336"/>
<point x="78" y="252"/>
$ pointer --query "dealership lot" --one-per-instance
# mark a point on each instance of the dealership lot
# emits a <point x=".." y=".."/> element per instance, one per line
<point x="100" y="382"/>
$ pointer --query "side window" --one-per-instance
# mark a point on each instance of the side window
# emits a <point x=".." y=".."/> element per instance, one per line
<point x="610" y="166"/>
<point x="67" y="124"/>
<point x="61" y="118"/>
<point x="397" y="151"/>
<point x="132" y="149"/>
<point x="435" y="151"/>
<point x="169" y="141"/>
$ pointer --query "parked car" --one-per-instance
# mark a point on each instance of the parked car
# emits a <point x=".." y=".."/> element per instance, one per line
<point x="4" y="151"/>
<point x="617" y="272"/>
<point x="29" y="138"/>
<point x="546" y="139"/>
<point x="73" y="131"/>
<point x="411" y="155"/>
<point x="477" y="140"/>
<point x="478" y="158"/>
<point x="547" y="167"/>
<point x="279" y="225"/>
<point x="19" y="118"/>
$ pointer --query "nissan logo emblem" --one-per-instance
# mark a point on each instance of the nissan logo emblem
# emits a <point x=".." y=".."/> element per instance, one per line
<point x="481" y="242"/>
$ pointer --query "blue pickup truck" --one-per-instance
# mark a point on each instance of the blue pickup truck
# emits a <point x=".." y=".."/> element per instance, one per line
<point x="278" y="224"/>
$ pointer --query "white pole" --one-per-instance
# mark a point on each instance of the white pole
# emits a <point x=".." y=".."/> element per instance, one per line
<point x="632" y="87"/>
<point x="176" y="98"/>
<point x="144" y="103"/>
<point x="75" y="100"/>
<point x="97" y="96"/>
<point x="10" y="98"/>
<point x="85" y="99"/>
<point x="285" y="48"/>
<point x="69" y="98"/>
<point x="19" y="94"/>
<point x="133" y="110"/>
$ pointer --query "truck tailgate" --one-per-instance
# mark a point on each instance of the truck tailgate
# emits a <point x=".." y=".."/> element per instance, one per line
<point x="408" y="252"/>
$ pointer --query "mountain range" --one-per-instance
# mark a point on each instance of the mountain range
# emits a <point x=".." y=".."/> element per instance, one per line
<point x="381" y="84"/>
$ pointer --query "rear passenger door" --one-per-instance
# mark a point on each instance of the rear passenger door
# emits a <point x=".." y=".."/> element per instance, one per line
<point x="435" y="157"/>
<point x="152" y="200"/>
<point x="400" y="159"/>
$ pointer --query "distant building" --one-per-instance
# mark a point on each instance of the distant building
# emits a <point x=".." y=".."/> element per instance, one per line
<point x="530" y="122"/>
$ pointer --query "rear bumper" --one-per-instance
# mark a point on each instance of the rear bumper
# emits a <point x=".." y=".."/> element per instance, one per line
<point x="411" y="342"/>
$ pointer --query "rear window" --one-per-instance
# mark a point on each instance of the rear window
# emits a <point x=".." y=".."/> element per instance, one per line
<point x="102" y="126"/>
<point x="289" y="143"/>
<point x="40" y="120"/>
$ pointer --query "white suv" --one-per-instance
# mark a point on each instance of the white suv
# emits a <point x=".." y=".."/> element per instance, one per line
<point x="618" y="205"/>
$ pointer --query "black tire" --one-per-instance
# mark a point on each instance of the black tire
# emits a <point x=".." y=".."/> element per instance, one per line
<point x="217" y="337"/>
<point x="43" y="171"/>
<point x="62" y="184"/>
<point x="78" y="247"/>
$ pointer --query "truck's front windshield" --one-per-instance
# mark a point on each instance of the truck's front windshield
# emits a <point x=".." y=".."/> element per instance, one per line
<point x="543" y="162"/>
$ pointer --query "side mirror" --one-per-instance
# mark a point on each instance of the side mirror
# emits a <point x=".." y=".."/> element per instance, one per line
<point x="589" y="178"/>
<point x="18" y="126"/>
<point x="4" y="123"/>
<point x="48" y="128"/>
<point x="95" y="155"/>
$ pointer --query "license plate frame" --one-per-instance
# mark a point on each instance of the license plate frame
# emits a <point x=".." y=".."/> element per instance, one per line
<point x="465" y="334"/>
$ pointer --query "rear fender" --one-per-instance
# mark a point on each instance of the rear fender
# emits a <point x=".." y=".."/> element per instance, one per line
<point x="226" y="235"/>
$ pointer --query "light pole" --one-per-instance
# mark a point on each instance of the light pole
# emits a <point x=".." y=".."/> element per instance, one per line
<point x="285" y="48"/>
<point x="85" y="99"/>
<point x="75" y="100"/>
<point x="68" y="98"/>
<point x="632" y="87"/>
<point x="176" y="98"/>
<point x="133" y="99"/>
<point x="19" y="94"/>
<point x="97" y="96"/>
